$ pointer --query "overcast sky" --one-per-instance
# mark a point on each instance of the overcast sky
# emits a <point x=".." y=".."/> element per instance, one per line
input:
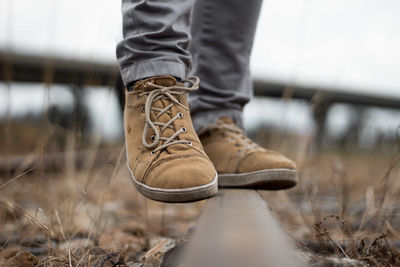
<point x="341" y="43"/>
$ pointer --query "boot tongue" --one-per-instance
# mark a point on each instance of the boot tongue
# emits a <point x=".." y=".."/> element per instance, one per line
<point x="143" y="85"/>
<point x="227" y="123"/>
<point x="226" y="120"/>
<point x="148" y="85"/>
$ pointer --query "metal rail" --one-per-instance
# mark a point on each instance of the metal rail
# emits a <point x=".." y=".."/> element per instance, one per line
<point x="51" y="69"/>
<point x="236" y="229"/>
<point x="57" y="161"/>
<point x="326" y="94"/>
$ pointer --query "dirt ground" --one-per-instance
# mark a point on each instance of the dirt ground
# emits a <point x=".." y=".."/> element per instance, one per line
<point x="89" y="214"/>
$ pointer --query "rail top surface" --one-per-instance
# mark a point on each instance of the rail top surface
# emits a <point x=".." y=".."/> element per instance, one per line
<point x="236" y="229"/>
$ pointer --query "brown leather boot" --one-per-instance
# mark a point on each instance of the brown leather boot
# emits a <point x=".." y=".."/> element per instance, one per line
<point x="165" y="157"/>
<point x="242" y="163"/>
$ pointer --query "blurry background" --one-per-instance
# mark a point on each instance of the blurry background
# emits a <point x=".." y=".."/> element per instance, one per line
<point x="326" y="77"/>
<point x="338" y="54"/>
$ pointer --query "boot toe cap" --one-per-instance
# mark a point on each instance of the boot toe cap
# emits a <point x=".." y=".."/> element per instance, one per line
<point x="265" y="161"/>
<point x="182" y="173"/>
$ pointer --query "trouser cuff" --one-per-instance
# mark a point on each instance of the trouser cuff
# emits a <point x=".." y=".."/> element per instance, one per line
<point x="151" y="68"/>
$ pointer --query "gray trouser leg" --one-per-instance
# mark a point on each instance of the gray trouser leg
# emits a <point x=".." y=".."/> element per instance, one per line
<point x="222" y="39"/>
<point x="156" y="39"/>
<point x="156" y="42"/>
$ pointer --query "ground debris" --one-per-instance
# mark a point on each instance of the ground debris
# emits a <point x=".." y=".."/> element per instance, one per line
<point x="110" y="260"/>
<point x="379" y="252"/>
<point x="20" y="259"/>
<point x="110" y="224"/>
<point x="313" y="260"/>
<point x="155" y="255"/>
<point x="338" y="262"/>
<point x="7" y="253"/>
<point x="75" y="244"/>
<point x="122" y="242"/>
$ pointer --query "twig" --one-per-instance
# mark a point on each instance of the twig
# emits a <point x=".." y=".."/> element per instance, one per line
<point x="27" y="215"/>
<point x="16" y="177"/>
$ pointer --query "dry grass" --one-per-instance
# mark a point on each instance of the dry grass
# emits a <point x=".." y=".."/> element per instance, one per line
<point x="86" y="216"/>
<point x="72" y="218"/>
<point x="346" y="205"/>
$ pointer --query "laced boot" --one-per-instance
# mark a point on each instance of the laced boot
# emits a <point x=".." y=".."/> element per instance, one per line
<point x="242" y="163"/>
<point x="165" y="157"/>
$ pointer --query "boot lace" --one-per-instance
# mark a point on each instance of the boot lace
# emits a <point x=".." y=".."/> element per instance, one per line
<point x="238" y="135"/>
<point x="165" y="92"/>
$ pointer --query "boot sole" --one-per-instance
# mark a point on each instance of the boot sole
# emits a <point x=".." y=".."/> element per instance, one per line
<point x="183" y="195"/>
<point x="274" y="179"/>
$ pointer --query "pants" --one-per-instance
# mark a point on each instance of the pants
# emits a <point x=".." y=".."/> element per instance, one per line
<point x="211" y="39"/>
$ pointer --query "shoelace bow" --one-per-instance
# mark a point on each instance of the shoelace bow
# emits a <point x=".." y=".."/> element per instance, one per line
<point x="241" y="136"/>
<point x="162" y="92"/>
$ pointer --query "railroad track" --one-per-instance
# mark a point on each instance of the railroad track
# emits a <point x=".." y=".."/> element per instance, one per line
<point x="57" y="161"/>
<point x="236" y="230"/>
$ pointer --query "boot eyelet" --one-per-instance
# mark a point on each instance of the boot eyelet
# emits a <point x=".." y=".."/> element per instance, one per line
<point x="184" y="129"/>
<point x="143" y="109"/>
<point x="138" y="97"/>
<point x="152" y="153"/>
<point x="180" y="114"/>
<point x="189" y="143"/>
<point x="153" y="137"/>
<point x="179" y="101"/>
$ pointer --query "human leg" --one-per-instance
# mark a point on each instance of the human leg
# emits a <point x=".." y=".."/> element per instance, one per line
<point x="223" y="33"/>
<point x="222" y="39"/>
<point x="165" y="157"/>
<point x="156" y="39"/>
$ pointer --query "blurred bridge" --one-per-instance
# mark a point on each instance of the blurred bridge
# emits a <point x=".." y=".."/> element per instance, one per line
<point x="57" y="70"/>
